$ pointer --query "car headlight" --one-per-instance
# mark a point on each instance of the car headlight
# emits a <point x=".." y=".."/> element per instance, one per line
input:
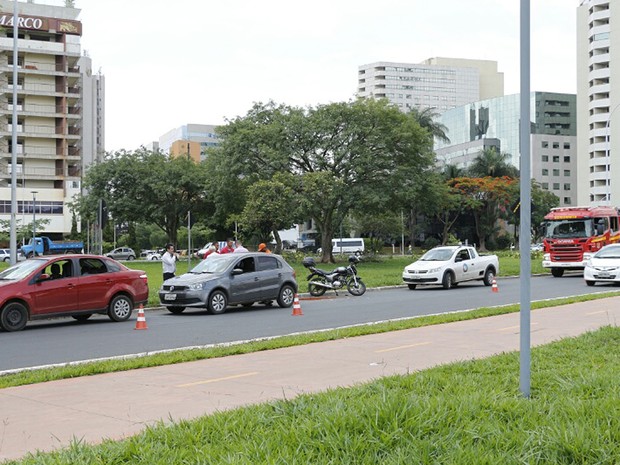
<point x="434" y="270"/>
<point x="195" y="287"/>
<point x="547" y="257"/>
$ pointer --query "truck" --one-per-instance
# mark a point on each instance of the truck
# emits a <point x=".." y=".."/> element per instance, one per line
<point x="571" y="235"/>
<point x="43" y="245"/>
<point x="450" y="265"/>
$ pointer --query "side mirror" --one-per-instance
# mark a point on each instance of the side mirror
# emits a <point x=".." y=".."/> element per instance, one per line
<point x="43" y="277"/>
<point x="458" y="259"/>
<point x="236" y="271"/>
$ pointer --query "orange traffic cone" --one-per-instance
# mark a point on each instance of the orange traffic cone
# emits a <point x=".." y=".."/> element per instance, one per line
<point x="296" y="307"/>
<point x="494" y="286"/>
<point x="141" y="321"/>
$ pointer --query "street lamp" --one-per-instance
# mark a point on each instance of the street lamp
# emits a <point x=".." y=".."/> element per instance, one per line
<point x="34" y="220"/>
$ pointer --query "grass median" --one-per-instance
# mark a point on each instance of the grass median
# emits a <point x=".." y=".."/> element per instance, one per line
<point x="462" y="413"/>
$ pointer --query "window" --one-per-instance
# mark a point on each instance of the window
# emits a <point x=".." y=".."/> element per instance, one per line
<point x="247" y="265"/>
<point x="567" y="201"/>
<point x="556" y="186"/>
<point x="567" y="159"/>
<point x="545" y="144"/>
<point x="556" y="145"/>
<point x="92" y="266"/>
<point x="545" y="186"/>
<point x="566" y="186"/>
<point x="545" y="158"/>
<point x="556" y="172"/>
<point x="566" y="172"/>
<point x="567" y="145"/>
<point x="268" y="263"/>
<point x="545" y="172"/>
<point x="556" y="159"/>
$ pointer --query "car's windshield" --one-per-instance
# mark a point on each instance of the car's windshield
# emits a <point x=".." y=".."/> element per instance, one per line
<point x="212" y="264"/>
<point x="568" y="228"/>
<point x="22" y="269"/>
<point x="608" y="252"/>
<point x="437" y="255"/>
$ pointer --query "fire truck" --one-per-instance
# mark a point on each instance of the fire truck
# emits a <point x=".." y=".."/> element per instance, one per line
<point x="573" y="234"/>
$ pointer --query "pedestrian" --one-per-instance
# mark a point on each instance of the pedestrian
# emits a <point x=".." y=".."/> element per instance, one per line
<point x="214" y="248"/>
<point x="169" y="262"/>
<point x="228" y="248"/>
<point x="239" y="248"/>
<point x="262" y="247"/>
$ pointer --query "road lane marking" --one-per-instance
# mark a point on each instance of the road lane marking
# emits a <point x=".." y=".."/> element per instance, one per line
<point x="402" y="347"/>
<point x="596" y="313"/>
<point x="217" y="380"/>
<point x="508" y="328"/>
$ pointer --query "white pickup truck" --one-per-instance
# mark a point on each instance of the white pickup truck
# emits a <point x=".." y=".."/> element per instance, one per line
<point x="450" y="265"/>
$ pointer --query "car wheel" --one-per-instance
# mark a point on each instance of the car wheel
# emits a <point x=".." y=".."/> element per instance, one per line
<point x="447" y="280"/>
<point x="286" y="296"/>
<point x="131" y="257"/>
<point x="358" y="289"/>
<point x="175" y="310"/>
<point x="82" y="317"/>
<point x="120" y="308"/>
<point x="217" y="302"/>
<point x="412" y="286"/>
<point x="14" y="317"/>
<point x="557" y="272"/>
<point x="590" y="283"/>
<point x="489" y="275"/>
<point x="154" y="258"/>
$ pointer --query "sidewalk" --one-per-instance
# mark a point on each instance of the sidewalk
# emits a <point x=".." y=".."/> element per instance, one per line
<point x="116" y="405"/>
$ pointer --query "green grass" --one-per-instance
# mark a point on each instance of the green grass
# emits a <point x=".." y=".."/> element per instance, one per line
<point x="463" y="413"/>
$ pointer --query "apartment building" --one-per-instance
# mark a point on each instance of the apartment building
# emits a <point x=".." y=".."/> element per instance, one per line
<point x="189" y="140"/>
<point x="60" y="113"/>
<point x="598" y="91"/>
<point x="495" y="123"/>
<point x="440" y="83"/>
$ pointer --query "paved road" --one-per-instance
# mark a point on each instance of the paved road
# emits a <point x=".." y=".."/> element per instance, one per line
<point x="65" y="340"/>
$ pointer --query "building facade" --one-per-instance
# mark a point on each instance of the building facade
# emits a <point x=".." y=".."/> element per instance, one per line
<point x="189" y="140"/>
<point x="440" y="83"/>
<point x="495" y="123"/>
<point x="59" y="114"/>
<point x="598" y="102"/>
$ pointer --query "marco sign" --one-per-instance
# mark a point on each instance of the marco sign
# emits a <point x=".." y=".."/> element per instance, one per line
<point x="42" y="24"/>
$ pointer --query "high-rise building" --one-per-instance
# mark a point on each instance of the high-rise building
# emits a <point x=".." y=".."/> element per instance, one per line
<point x="189" y="140"/>
<point x="495" y="123"/>
<point x="598" y="100"/>
<point x="440" y="83"/>
<point x="60" y="110"/>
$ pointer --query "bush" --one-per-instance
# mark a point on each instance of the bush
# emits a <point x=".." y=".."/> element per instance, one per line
<point x="431" y="242"/>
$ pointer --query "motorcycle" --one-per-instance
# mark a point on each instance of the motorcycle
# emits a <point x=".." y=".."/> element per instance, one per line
<point x="343" y="276"/>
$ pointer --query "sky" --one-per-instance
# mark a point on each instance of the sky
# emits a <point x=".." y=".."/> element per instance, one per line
<point x="167" y="64"/>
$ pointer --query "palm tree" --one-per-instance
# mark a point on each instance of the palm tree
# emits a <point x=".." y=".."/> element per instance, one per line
<point x="426" y="119"/>
<point x="490" y="162"/>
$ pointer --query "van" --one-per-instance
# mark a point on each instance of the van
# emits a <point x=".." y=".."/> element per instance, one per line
<point x="348" y="245"/>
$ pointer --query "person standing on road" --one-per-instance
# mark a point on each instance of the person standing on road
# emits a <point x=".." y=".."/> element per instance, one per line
<point x="169" y="262"/>
<point x="239" y="248"/>
<point x="228" y="248"/>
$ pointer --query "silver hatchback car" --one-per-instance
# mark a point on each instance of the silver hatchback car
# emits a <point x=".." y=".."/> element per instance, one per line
<point x="122" y="253"/>
<point x="231" y="279"/>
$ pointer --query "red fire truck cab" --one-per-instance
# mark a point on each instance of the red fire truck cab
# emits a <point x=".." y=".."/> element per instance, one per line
<point x="573" y="234"/>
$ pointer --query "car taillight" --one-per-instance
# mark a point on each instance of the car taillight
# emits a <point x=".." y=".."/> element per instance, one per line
<point x="145" y="277"/>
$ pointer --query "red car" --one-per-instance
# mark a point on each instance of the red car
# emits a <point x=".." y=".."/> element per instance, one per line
<point x="69" y="285"/>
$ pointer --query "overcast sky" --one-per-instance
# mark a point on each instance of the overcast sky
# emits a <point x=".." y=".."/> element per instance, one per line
<point x="169" y="63"/>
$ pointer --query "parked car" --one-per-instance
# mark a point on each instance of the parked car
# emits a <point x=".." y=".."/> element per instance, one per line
<point x="122" y="253"/>
<point x="604" y="266"/>
<point x="450" y="265"/>
<point x="69" y="285"/>
<point x="150" y="255"/>
<point x="239" y="279"/>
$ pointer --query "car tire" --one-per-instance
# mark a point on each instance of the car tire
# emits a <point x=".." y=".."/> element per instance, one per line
<point x="557" y="272"/>
<point x="82" y="317"/>
<point x="286" y="296"/>
<point x="412" y="286"/>
<point x="590" y="283"/>
<point x="120" y="308"/>
<point x="217" y="302"/>
<point x="13" y="317"/>
<point x="176" y="310"/>
<point x="131" y="257"/>
<point x="448" y="280"/>
<point x="489" y="275"/>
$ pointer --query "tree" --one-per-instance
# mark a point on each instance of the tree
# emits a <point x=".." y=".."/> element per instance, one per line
<point x="146" y="186"/>
<point x="487" y="198"/>
<point x="342" y="154"/>
<point x="426" y="119"/>
<point x="490" y="162"/>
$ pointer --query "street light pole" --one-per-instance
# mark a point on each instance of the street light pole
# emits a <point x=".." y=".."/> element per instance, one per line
<point x="13" y="231"/>
<point x="34" y="221"/>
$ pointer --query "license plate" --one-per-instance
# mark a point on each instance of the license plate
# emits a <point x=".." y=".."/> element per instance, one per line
<point x="170" y="297"/>
<point x="604" y="274"/>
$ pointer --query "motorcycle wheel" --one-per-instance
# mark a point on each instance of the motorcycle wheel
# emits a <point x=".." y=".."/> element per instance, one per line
<point x="316" y="291"/>
<point x="358" y="289"/>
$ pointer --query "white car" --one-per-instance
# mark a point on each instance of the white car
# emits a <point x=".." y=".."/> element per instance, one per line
<point x="603" y="266"/>
<point x="450" y="265"/>
<point x="150" y="255"/>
